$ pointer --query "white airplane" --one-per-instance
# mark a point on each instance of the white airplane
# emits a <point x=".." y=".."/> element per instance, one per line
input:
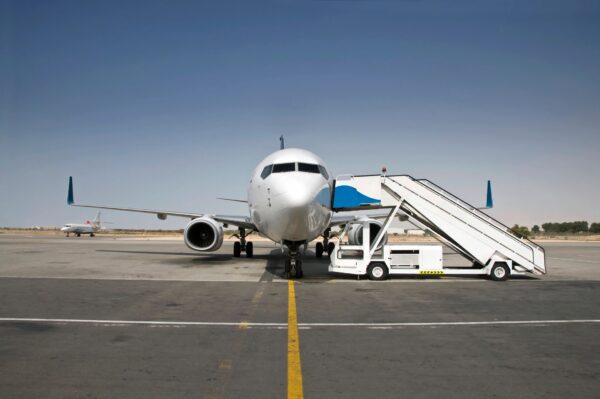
<point x="289" y="201"/>
<point x="90" y="227"/>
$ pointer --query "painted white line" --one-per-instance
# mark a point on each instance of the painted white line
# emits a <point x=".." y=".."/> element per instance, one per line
<point x="450" y="323"/>
<point x="141" y="322"/>
<point x="302" y="325"/>
<point x="594" y="262"/>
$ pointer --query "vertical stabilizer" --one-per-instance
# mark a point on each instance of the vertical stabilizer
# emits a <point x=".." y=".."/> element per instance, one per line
<point x="70" y="200"/>
<point x="489" y="203"/>
<point x="96" y="221"/>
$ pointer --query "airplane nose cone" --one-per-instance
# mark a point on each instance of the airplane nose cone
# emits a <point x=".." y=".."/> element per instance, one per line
<point x="299" y="196"/>
<point x="63" y="229"/>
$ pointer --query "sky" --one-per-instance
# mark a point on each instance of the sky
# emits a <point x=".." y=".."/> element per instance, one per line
<point x="169" y="105"/>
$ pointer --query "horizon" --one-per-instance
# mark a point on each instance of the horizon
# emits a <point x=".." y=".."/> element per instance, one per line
<point x="169" y="106"/>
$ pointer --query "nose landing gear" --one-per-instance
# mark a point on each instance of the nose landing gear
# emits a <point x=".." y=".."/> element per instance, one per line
<point x="293" y="264"/>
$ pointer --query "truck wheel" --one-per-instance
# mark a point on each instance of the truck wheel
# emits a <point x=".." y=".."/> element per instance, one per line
<point x="319" y="250"/>
<point x="378" y="271"/>
<point x="499" y="272"/>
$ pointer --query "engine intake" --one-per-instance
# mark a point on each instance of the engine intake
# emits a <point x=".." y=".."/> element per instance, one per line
<point x="355" y="233"/>
<point x="203" y="234"/>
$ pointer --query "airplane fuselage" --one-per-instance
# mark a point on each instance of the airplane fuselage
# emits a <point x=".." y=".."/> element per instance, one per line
<point x="289" y="196"/>
<point x="77" y="228"/>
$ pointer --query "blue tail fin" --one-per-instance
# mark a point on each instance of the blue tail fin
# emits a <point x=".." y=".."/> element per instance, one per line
<point x="489" y="203"/>
<point x="70" y="200"/>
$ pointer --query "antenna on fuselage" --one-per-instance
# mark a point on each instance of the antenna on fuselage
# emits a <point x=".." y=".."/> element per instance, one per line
<point x="281" y="142"/>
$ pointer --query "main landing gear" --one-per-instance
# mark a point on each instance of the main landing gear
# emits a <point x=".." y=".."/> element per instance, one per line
<point x="325" y="245"/>
<point x="243" y="246"/>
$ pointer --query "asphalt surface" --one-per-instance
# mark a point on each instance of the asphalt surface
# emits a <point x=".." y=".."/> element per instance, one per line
<point x="149" y="319"/>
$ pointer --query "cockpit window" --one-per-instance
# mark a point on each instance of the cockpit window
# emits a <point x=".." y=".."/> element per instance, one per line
<point x="323" y="172"/>
<point x="266" y="171"/>
<point x="308" y="167"/>
<point x="284" y="167"/>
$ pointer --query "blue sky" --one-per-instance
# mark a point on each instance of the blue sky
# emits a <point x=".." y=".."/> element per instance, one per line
<point x="171" y="104"/>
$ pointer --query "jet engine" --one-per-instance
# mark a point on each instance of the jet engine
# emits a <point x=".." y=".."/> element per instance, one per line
<point x="203" y="234"/>
<point x="355" y="233"/>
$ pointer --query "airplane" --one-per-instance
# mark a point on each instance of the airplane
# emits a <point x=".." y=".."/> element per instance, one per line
<point x="90" y="227"/>
<point x="289" y="200"/>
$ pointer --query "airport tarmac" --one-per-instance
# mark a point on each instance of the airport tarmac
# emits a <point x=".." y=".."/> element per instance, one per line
<point x="95" y="317"/>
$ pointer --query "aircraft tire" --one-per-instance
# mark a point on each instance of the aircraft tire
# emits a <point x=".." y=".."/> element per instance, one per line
<point x="237" y="249"/>
<point x="288" y="269"/>
<point x="330" y="247"/>
<point x="319" y="250"/>
<point x="298" y="267"/>
<point x="249" y="249"/>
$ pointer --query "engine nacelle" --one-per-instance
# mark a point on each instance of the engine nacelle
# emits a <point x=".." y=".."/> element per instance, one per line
<point x="355" y="233"/>
<point x="203" y="234"/>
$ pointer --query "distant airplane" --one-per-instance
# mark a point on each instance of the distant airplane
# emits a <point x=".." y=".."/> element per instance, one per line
<point x="78" y="229"/>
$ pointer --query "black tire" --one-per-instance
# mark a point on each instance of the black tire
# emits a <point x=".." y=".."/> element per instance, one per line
<point x="298" y="267"/>
<point x="330" y="247"/>
<point x="78" y="234"/>
<point x="92" y="235"/>
<point x="288" y="269"/>
<point x="237" y="249"/>
<point x="249" y="249"/>
<point x="378" y="271"/>
<point x="499" y="272"/>
<point x="319" y="250"/>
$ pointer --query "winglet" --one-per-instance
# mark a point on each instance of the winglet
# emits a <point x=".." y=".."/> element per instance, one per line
<point x="70" y="200"/>
<point x="489" y="203"/>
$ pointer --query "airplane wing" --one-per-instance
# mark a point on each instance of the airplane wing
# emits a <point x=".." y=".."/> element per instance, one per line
<point x="240" y="221"/>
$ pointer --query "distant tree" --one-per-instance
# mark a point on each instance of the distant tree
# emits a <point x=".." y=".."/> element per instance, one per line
<point x="548" y="227"/>
<point x="535" y="229"/>
<point x="566" y="227"/>
<point x="521" y="231"/>
<point x="595" y="228"/>
<point x="580" y="227"/>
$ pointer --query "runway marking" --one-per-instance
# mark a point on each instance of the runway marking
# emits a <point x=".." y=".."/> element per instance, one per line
<point x="225" y="364"/>
<point x="449" y="323"/>
<point x="258" y="295"/>
<point x="595" y="262"/>
<point x="293" y="341"/>
<point x="294" y="369"/>
<point x="241" y="325"/>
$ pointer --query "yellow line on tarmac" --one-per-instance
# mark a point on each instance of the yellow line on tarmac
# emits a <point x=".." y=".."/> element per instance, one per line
<point x="294" y="370"/>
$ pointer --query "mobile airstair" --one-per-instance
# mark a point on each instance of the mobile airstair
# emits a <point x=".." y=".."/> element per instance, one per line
<point x="463" y="227"/>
